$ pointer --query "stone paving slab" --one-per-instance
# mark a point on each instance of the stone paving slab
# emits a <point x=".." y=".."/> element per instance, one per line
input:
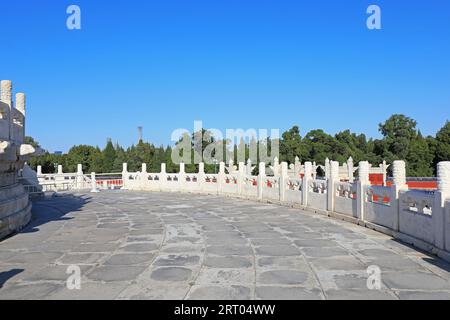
<point x="138" y="245"/>
<point x="220" y="293"/>
<point x="287" y="293"/>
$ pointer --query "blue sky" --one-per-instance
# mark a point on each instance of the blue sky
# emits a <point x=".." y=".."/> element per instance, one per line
<point x="231" y="63"/>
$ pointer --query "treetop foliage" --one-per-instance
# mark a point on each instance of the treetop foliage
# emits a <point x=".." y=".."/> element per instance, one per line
<point x="401" y="141"/>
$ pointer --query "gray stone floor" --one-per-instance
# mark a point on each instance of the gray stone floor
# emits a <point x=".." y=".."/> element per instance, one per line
<point x="132" y="245"/>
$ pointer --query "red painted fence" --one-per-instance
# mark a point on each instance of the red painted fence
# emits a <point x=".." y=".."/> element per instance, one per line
<point x="377" y="180"/>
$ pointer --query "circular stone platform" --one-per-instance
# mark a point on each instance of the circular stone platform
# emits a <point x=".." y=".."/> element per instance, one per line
<point x="136" y="245"/>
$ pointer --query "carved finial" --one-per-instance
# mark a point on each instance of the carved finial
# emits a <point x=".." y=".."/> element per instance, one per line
<point x="399" y="172"/>
<point x="364" y="170"/>
<point x="308" y="169"/>
<point x="443" y="172"/>
<point x="3" y="146"/>
<point x="26" y="150"/>
<point x="262" y="169"/>
<point x="334" y="170"/>
<point x="21" y="102"/>
<point x="284" y="169"/>
<point x="6" y="94"/>
<point x="350" y="169"/>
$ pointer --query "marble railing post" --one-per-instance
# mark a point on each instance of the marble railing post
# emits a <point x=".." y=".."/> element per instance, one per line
<point x="363" y="182"/>
<point x="21" y="106"/>
<point x="327" y="168"/>
<point x="350" y="167"/>
<point x="249" y="167"/>
<point x="261" y="179"/>
<point x="21" y="102"/>
<point x="314" y="170"/>
<point x="447" y="226"/>
<point x="6" y="98"/>
<point x="221" y="176"/>
<point x="93" y="183"/>
<point x="305" y="184"/>
<point x="60" y="173"/>
<point x="241" y="175"/>
<point x="143" y="177"/>
<point x="201" y="175"/>
<point x="80" y="177"/>
<point x="284" y="177"/>
<point x="40" y="176"/>
<point x="125" y="176"/>
<point x="440" y="221"/>
<point x="384" y="168"/>
<point x="276" y="167"/>
<point x="297" y="167"/>
<point x="182" y="176"/>
<point x="163" y="177"/>
<point x="230" y="166"/>
<point x="334" y="178"/>
<point x="399" y="176"/>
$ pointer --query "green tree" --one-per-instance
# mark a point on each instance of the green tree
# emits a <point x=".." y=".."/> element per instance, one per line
<point x="121" y="158"/>
<point x="143" y="152"/>
<point x="401" y="141"/>
<point x="97" y="161"/>
<point x="291" y="145"/>
<point x="419" y="160"/>
<point x="158" y="159"/>
<point x="352" y="145"/>
<point x="398" y="131"/>
<point x="170" y="166"/>
<point x="109" y="157"/>
<point x="318" y="146"/>
<point x="48" y="162"/>
<point x="88" y="156"/>
<point x="442" y="151"/>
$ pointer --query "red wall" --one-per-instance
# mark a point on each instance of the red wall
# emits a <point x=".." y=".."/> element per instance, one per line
<point x="377" y="180"/>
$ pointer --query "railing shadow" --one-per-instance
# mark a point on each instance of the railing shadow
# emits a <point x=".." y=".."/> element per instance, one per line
<point x="430" y="258"/>
<point x="7" y="275"/>
<point x="54" y="208"/>
<point x="438" y="262"/>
